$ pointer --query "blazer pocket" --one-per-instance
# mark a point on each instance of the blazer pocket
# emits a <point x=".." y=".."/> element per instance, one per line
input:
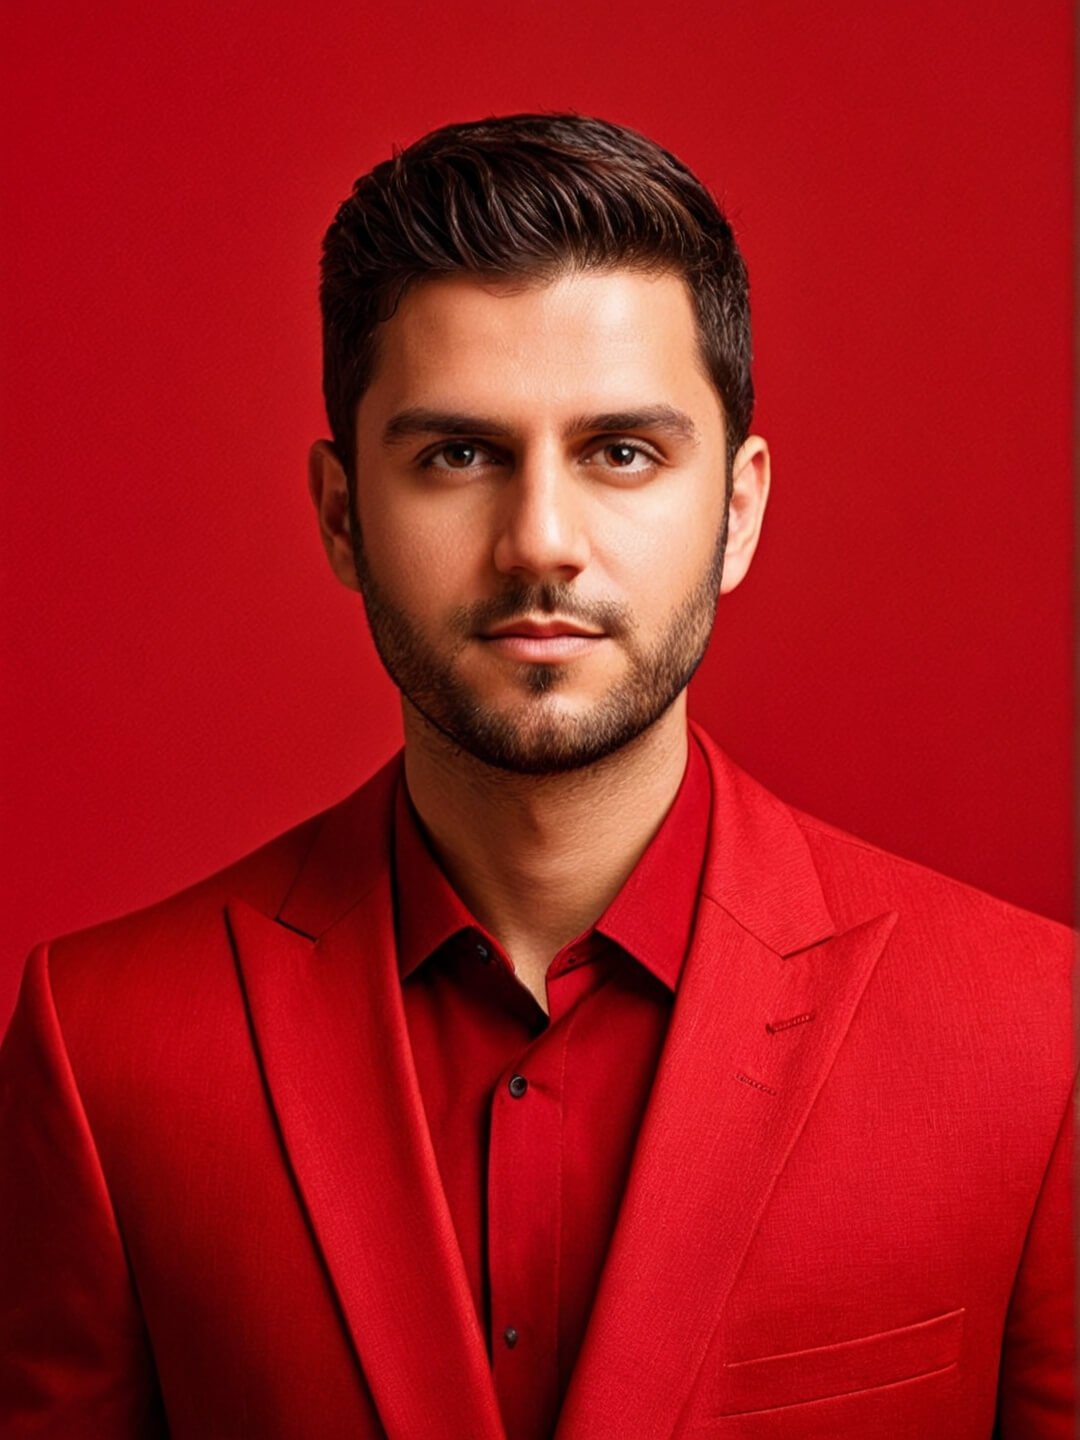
<point x="865" y="1363"/>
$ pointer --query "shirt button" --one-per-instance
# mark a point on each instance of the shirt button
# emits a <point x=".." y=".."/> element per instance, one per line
<point x="518" y="1086"/>
<point x="510" y="1335"/>
<point x="483" y="952"/>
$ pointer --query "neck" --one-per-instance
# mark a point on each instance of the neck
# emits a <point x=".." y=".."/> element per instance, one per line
<point x="538" y="858"/>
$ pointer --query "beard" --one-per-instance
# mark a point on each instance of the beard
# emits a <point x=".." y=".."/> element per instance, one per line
<point x="532" y="738"/>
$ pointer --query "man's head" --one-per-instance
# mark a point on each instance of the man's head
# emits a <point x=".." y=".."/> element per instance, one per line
<point x="527" y="197"/>
<point x="537" y="375"/>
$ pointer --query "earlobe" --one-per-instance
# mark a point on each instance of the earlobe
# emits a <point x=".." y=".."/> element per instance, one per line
<point x="750" y="494"/>
<point x="329" y="493"/>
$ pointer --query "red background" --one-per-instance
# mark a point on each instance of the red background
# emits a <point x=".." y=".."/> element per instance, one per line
<point x="184" y="678"/>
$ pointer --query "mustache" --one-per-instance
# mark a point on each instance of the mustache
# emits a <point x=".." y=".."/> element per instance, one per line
<point x="614" y="619"/>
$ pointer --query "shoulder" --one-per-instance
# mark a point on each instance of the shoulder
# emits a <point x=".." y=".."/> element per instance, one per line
<point x="995" y="977"/>
<point x="179" y="946"/>
<point x="261" y="878"/>
<point x="971" y="980"/>
<point x="856" y="873"/>
<point x="941" y="918"/>
<point x="980" y="988"/>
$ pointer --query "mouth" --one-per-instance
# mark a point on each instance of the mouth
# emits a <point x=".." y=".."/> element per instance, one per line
<point x="540" y="629"/>
<point x="542" y="641"/>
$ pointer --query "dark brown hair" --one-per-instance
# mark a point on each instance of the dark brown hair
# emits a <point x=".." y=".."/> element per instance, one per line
<point x="527" y="197"/>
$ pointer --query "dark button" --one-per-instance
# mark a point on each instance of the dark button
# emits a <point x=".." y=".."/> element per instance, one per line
<point x="483" y="952"/>
<point x="518" y="1086"/>
<point x="510" y="1335"/>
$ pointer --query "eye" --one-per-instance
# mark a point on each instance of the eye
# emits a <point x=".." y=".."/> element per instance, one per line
<point x="455" y="455"/>
<point x="626" y="456"/>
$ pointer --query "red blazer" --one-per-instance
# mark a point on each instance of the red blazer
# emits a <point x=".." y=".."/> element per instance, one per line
<point x="848" y="1213"/>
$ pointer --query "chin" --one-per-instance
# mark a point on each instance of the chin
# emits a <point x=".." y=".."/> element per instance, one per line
<point x="540" y="738"/>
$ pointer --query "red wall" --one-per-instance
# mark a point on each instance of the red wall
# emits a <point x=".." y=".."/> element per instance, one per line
<point x="183" y="676"/>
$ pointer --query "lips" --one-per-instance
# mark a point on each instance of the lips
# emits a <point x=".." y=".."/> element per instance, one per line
<point x="540" y="630"/>
<point x="542" y="642"/>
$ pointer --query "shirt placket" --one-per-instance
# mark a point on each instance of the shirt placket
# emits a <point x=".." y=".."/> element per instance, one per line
<point x="524" y="1224"/>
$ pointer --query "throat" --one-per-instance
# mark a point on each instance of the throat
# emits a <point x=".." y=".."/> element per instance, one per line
<point x="537" y="859"/>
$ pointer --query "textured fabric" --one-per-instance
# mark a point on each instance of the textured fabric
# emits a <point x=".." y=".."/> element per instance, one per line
<point x="534" y="1181"/>
<point x="848" y="1210"/>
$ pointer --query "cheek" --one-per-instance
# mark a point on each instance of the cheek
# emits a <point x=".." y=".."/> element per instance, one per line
<point x="419" y="556"/>
<point x="659" y="559"/>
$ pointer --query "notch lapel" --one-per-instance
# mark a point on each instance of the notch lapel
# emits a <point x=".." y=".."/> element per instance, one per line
<point x="325" y="1001"/>
<point x="733" y="1090"/>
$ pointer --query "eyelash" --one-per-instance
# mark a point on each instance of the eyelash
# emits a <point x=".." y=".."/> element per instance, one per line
<point x="427" y="461"/>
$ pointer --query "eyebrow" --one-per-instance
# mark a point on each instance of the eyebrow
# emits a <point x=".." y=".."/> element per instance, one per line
<point x="417" y="420"/>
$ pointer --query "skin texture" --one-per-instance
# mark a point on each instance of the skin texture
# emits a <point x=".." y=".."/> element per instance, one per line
<point x="493" y="488"/>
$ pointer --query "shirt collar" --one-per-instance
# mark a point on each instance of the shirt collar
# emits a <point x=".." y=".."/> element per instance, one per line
<point x="651" y="917"/>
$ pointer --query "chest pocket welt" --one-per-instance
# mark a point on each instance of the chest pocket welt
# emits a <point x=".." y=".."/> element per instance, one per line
<point x="801" y="1376"/>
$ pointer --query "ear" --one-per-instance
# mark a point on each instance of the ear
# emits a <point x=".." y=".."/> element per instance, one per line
<point x="330" y="495"/>
<point x="749" y="496"/>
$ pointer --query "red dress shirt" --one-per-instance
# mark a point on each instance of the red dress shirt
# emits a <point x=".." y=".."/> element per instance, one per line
<point x="534" y="1117"/>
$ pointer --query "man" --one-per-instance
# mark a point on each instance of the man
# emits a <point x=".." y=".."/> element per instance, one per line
<point x="561" y="1080"/>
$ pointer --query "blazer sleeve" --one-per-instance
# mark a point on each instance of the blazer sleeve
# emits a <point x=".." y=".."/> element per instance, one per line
<point x="1038" y="1381"/>
<point x="74" y="1356"/>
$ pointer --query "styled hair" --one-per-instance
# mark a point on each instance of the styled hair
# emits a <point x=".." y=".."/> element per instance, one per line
<point x="527" y="197"/>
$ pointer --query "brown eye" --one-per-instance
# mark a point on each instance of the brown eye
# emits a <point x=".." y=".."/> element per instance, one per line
<point x="458" y="456"/>
<point x="620" y="454"/>
<point x="625" y="455"/>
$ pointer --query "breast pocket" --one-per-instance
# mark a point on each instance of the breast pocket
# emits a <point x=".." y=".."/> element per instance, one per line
<point x="867" y="1362"/>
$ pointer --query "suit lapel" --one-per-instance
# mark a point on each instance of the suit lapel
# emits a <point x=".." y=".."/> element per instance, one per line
<point x="766" y="997"/>
<point x="326" y="1008"/>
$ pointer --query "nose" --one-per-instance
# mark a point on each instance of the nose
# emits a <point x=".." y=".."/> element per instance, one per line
<point x="541" y="534"/>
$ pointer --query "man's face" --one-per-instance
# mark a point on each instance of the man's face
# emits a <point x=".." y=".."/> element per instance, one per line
<point x="540" y="523"/>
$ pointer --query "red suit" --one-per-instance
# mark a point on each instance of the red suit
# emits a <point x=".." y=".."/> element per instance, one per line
<point x="847" y="1215"/>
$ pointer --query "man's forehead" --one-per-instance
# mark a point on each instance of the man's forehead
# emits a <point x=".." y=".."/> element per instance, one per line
<point x="610" y="302"/>
<point x="589" y="341"/>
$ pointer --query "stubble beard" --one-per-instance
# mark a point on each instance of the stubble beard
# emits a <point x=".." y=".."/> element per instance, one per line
<point x="530" y="738"/>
